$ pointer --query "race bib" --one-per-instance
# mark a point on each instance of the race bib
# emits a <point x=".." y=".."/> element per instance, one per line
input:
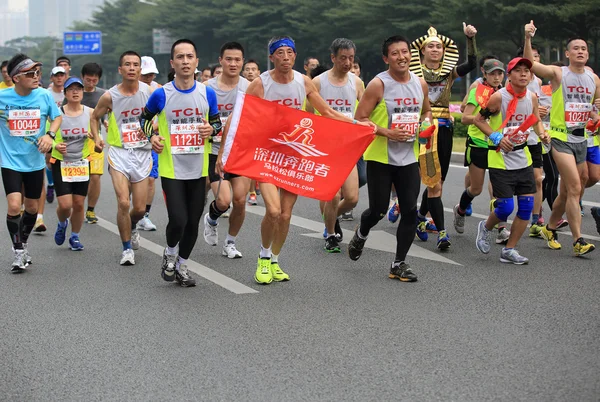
<point x="132" y="136"/>
<point x="406" y="121"/>
<point x="515" y="137"/>
<point x="24" y="123"/>
<point x="185" y="139"/>
<point x="577" y="115"/>
<point x="74" y="172"/>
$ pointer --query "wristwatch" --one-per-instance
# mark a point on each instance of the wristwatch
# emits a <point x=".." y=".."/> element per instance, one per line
<point x="52" y="134"/>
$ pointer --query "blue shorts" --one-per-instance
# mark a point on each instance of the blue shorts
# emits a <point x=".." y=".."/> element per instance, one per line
<point x="154" y="171"/>
<point x="593" y="155"/>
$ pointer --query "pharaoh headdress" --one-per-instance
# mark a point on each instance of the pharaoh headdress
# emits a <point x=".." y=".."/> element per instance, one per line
<point x="449" y="60"/>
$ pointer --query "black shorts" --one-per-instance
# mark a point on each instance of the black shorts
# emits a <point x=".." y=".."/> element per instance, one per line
<point x="536" y="155"/>
<point x="444" y="141"/>
<point x="212" y="175"/>
<point x="62" y="188"/>
<point x="476" y="156"/>
<point x="508" y="183"/>
<point x="31" y="182"/>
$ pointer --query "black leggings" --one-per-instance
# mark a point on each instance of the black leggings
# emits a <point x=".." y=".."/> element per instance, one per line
<point x="550" y="182"/>
<point x="185" y="204"/>
<point x="406" y="180"/>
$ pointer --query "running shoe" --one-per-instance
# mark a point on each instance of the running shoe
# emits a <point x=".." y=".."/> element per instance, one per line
<point x="19" y="264"/>
<point x="355" y="247"/>
<point x="90" y="217"/>
<point x="469" y="210"/>
<point x="581" y="247"/>
<point x="402" y="272"/>
<point x="503" y="235"/>
<point x="459" y="220"/>
<point x="211" y="234"/>
<point x="263" y="273"/>
<point x="230" y="251"/>
<point x="332" y="245"/>
<point x="562" y="224"/>
<point x="394" y="211"/>
<point x="127" y="257"/>
<point x="443" y="242"/>
<point x="61" y="233"/>
<point x="512" y="256"/>
<point x="167" y="269"/>
<point x="278" y="274"/>
<point x="183" y="277"/>
<point x="347" y="216"/>
<point x="339" y="233"/>
<point x="430" y="226"/>
<point x="146" y="224"/>
<point x="28" y="260"/>
<point x="551" y="238"/>
<point x="135" y="239"/>
<point x="541" y="221"/>
<point x="422" y="229"/>
<point x="50" y="194"/>
<point x="39" y="226"/>
<point x="482" y="242"/>
<point x="535" y="229"/>
<point x="581" y="208"/>
<point x="596" y="216"/>
<point x="252" y="199"/>
<point x="75" y="244"/>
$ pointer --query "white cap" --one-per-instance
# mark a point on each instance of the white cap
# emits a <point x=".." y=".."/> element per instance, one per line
<point x="196" y="71"/>
<point x="148" y="65"/>
<point x="58" y="69"/>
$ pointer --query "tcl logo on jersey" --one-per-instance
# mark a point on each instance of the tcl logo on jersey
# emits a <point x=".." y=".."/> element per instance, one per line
<point x="579" y="90"/>
<point x="73" y="131"/>
<point x="132" y="112"/>
<point x="407" y="101"/>
<point x="338" y="102"/>
<point x="187" y="112"/>
<point x="225" y="107"/>
<point x="289" y="102"/>
<point x="518" y="117"/>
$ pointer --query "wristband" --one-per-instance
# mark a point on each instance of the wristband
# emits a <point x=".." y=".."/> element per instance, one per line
<point x="496" y="137"/>
<point x="354" y="121"/>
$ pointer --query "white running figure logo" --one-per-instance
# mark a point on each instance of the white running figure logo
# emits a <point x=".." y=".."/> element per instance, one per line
<point x="300" y="139"/>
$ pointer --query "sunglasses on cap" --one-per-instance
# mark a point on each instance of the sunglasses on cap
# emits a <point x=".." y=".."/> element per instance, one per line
<point x="30" y="74"/>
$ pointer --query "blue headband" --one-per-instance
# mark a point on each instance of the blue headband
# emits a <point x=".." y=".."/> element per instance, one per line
<point x="280" y="43"/>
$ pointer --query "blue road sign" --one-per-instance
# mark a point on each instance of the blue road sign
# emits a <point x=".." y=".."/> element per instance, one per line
<point x="82" y="42"/>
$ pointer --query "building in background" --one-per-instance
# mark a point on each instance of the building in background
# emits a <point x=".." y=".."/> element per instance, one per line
<point x="14" y="22"/>
<point x="53" y="17"/>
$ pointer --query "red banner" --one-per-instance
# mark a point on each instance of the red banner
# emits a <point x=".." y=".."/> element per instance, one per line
<point x="303" y="153"/>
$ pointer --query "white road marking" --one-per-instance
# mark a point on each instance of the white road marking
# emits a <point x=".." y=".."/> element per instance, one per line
<point x="199" y="269"/>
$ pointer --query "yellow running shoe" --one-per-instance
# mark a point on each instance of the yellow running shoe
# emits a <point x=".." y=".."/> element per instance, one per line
<point x="581" y="247"/>
<point x="534" y="230"/>
<point x="90" y="217"/>
<point x="278" y="274"/>
<point x="551" y="238"/>
<point x="263" y="271"/>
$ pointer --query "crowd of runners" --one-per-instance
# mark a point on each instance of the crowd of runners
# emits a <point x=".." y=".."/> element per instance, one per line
<point x="528" y="124"/>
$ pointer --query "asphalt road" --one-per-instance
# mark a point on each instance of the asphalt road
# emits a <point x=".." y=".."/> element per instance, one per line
<point x="79" y="327"/>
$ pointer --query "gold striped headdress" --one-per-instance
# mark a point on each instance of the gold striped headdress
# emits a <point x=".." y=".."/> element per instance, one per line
<point x="449" y="60"/>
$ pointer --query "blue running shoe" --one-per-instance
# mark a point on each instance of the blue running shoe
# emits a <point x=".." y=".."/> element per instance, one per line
<point x="61" y="233"/>
<point x="75" y="244"/>
<point x="469" y="210"/>
<point x="422" y="229"/>
<point x="393" y="212"/>
<point x="325" y="233"/>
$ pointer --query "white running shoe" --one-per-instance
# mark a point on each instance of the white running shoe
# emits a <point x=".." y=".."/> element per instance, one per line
<point x="146" y="224"/>
<point x="19" y="263"/>
<point x="135" y="239"/>
<point x="128" y="257"/>
<point x="230" y="251"/>
<point x="503" y="236"/>
<point x="211" y="233"/>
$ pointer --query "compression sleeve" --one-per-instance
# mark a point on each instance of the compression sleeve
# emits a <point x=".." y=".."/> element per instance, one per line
<point x="214" y="119"/>
<point x="471" y="62"/>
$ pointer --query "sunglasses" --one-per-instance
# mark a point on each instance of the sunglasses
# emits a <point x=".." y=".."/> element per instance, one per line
<point x="30" y="74"/>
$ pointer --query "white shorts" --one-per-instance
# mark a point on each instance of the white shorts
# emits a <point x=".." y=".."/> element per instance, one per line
<point x="135" y="164"/>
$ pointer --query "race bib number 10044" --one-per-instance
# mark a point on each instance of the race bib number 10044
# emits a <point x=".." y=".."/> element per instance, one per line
<point x="24" y="123"/>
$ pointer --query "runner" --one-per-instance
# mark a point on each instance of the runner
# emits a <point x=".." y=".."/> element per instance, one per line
<point x="434" y="58"/>
<point x="310" y="63"/>
<point x="6" y="81"/>
<point x="250" y="72"/>
<point x="591" y="172"/>
<point x="187" y="116"/>
<point x="129" y="157"/>
<point x="356" y="67"/>
<point x="70" y="167"/>
<point x="509" y="159"/>
<point x="205" y="76"/>
<point x="149" y="73"/>
<point x="393" y="95"/>
<point x="26" y="107"/>
<point x="289" y="87"/>
<point x="216" y="70"/>
<point x="64" y="62"/>
<point x="573" y="91"/>
<point x="476" y="153"/>
<point x="90" y="75"/>
<point x="341" y="90"/>
<point x="226" y="86"/>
